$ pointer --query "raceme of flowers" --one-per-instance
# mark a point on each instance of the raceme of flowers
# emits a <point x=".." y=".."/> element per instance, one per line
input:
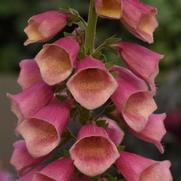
<point x="72" y="106"/>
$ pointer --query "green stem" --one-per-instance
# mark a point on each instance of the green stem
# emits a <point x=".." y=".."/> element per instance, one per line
<point x="91" y="28"/>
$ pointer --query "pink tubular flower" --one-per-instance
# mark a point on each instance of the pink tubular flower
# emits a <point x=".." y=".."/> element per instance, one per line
<point x="21" y="159"/>
<point x="142" y="61"/>
<point x="94" y="152"/>
<point x="60" y="170"/>
<point x="109" y="8"/>
<point x="44" y="26"/>
<point x="139" y="19"/>
<point x="56" y="60"/>
<point x="29" y="74"/>
<point x="114" y="131"/>
<point x="25" y="104"/>
<point x="42" y="132"/>
<point x="92" y="84"/>
<point x="132" y="99"/>
<point x="154" y="131"/>
<point x="137" y="168"/>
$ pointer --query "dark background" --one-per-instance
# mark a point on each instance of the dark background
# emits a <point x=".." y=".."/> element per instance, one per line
<point x="13" y="18"/>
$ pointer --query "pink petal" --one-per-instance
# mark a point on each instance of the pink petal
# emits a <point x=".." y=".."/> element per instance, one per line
<point x="132" y="99"/>
<point x="44" y="26"/>
<point x="60" y="170"/>
<point x="157" y="172"/>
<point x="42" y="132"/>
<point x="142" y="61"/>
<point x="29" y="175"/>
<point x="138" y="108"/>
<point x="25" y="104"/>
<point x="114" y="131"/>
<point x="29" y="74"/>
<point x="139" y="19"/>
<point x="154" y="131"/>
<point x="56" y="60"/>
<point x="89" y="158"/>
<point x="109" y="8"/>
<point x="137" y="168"/>
<point x="5" y="176"/>
<point x="21" y="159"/>
<point x="91" y="85"/>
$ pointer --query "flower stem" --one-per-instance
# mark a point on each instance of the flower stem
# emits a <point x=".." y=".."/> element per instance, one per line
<point x="91" y="28"/>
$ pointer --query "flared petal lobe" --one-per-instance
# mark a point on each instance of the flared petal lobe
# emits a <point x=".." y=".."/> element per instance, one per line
<point x="43" y="26"/>
<point x="56" y="61"/>
<point x="109" y="8"/>
<point x="142" y="61"/>
<point x="42" y="132"/>
<point x="92" y="84"/>
<point x="29" y="73"/>
<point x="132" y="99"/>
<point x="91" y="150"/>
<point x="114" y="131"/>
<point x="26" y="103"/>
<point x="154" y="131"/>
<point x="21" y="159"/>
<point x="137" y="168"/>
<point x="139" y="19"/>
<point x="60" y="170"/>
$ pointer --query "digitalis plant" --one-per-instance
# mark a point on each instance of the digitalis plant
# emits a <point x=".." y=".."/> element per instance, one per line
<point x="73" y="108"/>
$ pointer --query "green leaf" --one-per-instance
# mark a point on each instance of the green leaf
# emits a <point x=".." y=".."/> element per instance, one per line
<point x="76" y="18"/>
<point x="106" y="44"/>
<point x="84" y="115"/>
<point x="67" y="34"/>
<point x="109" y="64"/>
<point x="121" y="148"/>
<point x="111" y="178"/>
<point x="66" y="153"/>
<point x="102" y="123"/>
<point x="60" y="97"/>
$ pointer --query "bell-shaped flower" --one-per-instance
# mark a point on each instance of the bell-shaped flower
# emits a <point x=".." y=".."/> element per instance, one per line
<point x="139" y="19"/>
<point x="94" y="152"/>
<point x="92" y="84"/>
<point x="29" y="73"/>
<point x="26" y="103"/>
<point x="59" y="170"/>
<point x="44" y="26"/>
<point x="142" y="61"/>
<point x="154" y="131"/>
<point x="109" y="8"/>
<point x="56" y="61"/>
<point x="137" y="168"/>
<point x="42" y="132"/>
<point x="114" y="131"/>
<point x="21" y="159"/>
<point x="132" y="99"/>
